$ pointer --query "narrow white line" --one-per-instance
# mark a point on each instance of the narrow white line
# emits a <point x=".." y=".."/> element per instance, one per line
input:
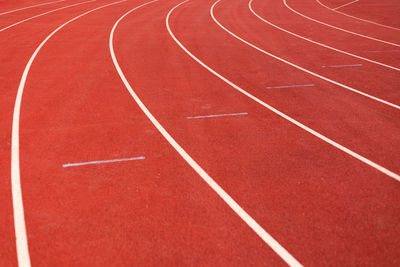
<point x="15" y="10"/>
<point x="281" y="114"/>
<point x="228" y="200"/>
<point x="290" y="86"/>
<point x="341" y="66"/>
<point x="18" y="207"/>
<point x="266" y="237"/>
<point x="352" y="2"/>
<point x="354" y="17"/>
<point x="383" y="51"/>
<point x="100" y="162"/>
<point x="340" y="29"/>
<point x="296" y="66"/>
<point x="42" y="14"/>
<point x="320" y="44"/>
<point x="217" y="115"/>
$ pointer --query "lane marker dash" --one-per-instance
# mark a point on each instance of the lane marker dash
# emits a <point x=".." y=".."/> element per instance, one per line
<point x="341" y="66"/>
<point x="290" y="86"/>
<point x="100" y="162"/>
<point x="217" y="115"/>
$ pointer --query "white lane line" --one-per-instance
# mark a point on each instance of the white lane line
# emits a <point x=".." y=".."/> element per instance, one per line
<point x="217" y="115"/>
<point x="15" y="10"/>
<point x="286" y="117"/>
<point x="296" y="66"/>
<point x="266" y="237"/>
<point x="383" y="51"/>
<point x="352" y="2"/>
<point x="318" y="43"/>
<point x="228" y="200"/>
<point x="18" y="207"/>
<point x="340" y="29"/>
<point x="45" y="13"/>
<point x="101" y="161"/>
<point x="354" y="17"/>
<point x="291" y="86"/>
<point x="341" y="66"/>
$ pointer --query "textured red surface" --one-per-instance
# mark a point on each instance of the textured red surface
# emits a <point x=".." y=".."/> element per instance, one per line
<point x="323" y="206"/>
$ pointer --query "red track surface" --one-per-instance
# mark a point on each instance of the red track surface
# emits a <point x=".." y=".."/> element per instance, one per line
<point x="322" y="205"/>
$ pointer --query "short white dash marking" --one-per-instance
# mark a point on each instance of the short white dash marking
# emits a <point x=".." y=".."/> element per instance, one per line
<point x="290" y="86"/>
<point x="217" y="115"/>
<point x="342" y="66"/>
<point x="100" y="162"/>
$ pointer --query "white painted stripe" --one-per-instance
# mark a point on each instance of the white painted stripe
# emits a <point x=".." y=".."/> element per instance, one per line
<point x="340" y="29"/>
<point x="15" y="10"/>
<point x="42" y="14"/>
<point x="341" y="66"/>
<point x="217" y="115"/>
<point x="354" y="17"/>
<point x="232" y="203"/>
<point x="286" y="117"/>
<point x="352" y="2"/>
<point x="290" y="86"/>
<point x="18" y="207"/>
<point x="296" y="66"/>
<point x="320" y="44"/>
<point x="383" y="51"/>
<point x="266" y="237"/>
<point x="101" y="161"/>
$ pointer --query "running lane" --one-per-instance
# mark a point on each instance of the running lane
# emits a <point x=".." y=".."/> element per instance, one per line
<point x="277" y="13"/>
<point x="383" y="12"/>
<point x="362" y="75"/>
<point x="353" y="120"/>
<point x="10" y="6"/>
<point x="322" y="205"/>
<point x="151" y="211"/>
<point x="312" y="9"/>
<point x="16" y="48"/>
<point x="15" y="13"/>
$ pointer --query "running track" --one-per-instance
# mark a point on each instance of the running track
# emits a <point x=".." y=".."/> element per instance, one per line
<point x="258" y="133"/>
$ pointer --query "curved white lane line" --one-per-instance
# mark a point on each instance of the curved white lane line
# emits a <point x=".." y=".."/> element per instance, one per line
<point x="228" y="200"/>
<point x="340" y="29"/>
<point x="349" y="3"/>
<point x="42" y="14"/>
<point x="18" y="207"/>
<point x="320" y="44"/>
<point x="286" y="117"/>
<point x="354" y="17"/>
<point x="15" y="10"/>
<point x="298" y="67"/>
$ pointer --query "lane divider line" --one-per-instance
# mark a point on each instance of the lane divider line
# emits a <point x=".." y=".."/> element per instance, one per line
<point x="296" y="66"/>
<point x="217" y="115"/>
<point x="318" y="43"/>
<point x="45" y="13"/>
<point x="383" y="51"/>
<point x="341" y="66"/>
<point x="15" y="10"/>
<point x="291" y="86"/>
<point x="18" y="207"/>
<point x="340" y="29"/>
<point x="101" y="161"/>
<point x="196" y="167"/>
<point x="352" y="2"/>
<point x="354" y="17"/>
<point x="288" y="118"/>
